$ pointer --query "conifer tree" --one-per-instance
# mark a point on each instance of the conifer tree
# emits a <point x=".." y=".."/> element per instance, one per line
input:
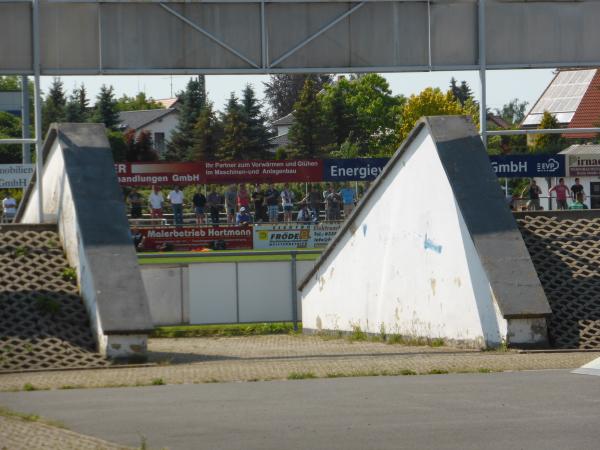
<point x="193" y="100"/>
<point x="54" y="105"/>
<point x="234" y="144"/>
<point x="207" y="135"/>
<point x="77" y="109"/>
<point x="309" y="133"/>
<point x="257" y="133"/>
<point x="105" y="110"/>
<point x="548" y="143"/>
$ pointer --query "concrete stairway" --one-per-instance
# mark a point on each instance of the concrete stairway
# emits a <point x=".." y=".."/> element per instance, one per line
<point x="43" y="321"/>
<point x="565" y="249"/>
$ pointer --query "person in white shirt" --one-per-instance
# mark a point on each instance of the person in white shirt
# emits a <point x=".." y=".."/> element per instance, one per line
<point x="287" y="201"/>
<point x="156" y="202"/>
<point x="176" y="199"/>
<point x="9" y="207"/>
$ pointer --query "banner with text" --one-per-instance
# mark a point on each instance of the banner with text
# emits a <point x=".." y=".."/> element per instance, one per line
<point x="298" y="170"/>
<point x="192" y="238"/>
<point x="147" y="174"/>
<point x="584" y="165"/>
<point x="273" y="236"/>
<point x="13" y="176"/>
<point x="354" y="169"/>
<point x="528" y="166"/>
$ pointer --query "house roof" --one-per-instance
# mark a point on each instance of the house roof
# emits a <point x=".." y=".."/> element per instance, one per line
<point x="498" y="121"/>
<point x="563" y="97"/>
<point x="139" y="119"/>
<point x="588" y="113"/>
<point x="279" y="141"/>
<point x="168" y="102"/>
<point x="285" y="120"/>
<point x="581" y="149"/>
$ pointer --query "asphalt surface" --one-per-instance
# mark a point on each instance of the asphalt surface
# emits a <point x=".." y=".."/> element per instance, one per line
<point x="524" y="410"/>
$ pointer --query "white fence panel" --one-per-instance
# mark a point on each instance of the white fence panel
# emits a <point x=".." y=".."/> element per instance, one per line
<point x="212" y="293"/>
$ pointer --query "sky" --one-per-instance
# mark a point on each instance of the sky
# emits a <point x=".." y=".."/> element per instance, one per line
<point x="502" y="85"/>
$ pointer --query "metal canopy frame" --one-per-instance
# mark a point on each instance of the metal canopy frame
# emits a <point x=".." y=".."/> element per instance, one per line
<point x="265" y="65"/>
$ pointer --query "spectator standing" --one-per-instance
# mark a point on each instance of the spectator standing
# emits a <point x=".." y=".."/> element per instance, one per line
<point x="138" y="239"/>
<point x="533" y="194"/>
<point x="314" y="200"/>
<point x="230" y="203"/>
<point x="272" y="200"/>
<point x="576" y="189"/>
<point x="258" y="198"/>
<point x="156" y="202"/>
<point x="214" y="201"/>
<point x="243" y="197"/>
<point x="9" y="207"/>
<point x="287" y="202"/>
<point x="348" y="199"/>
<point x="578" y="203"/>
<point x="562" y="193"/>
<point x="135" y="203"/>
<point x="243" y="217"/>
<point x="199" y="202"/>
<point x="176" y="199"/>
<point x="332" y="204"/>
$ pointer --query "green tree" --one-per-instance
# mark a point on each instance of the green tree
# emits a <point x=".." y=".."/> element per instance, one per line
<point x="138" y="103"/>
<point x="309" y="132"/>
<point x="235" y="142"/>
<point x="78" y="106"/>
<point x="105" y="110"/>
<point x="10" y="83"/>
<point x="461" y="93"/>
<point x="10" y="127"/>
<point x="513" y="112"/>
<point x="548" y="143"/>
<point x="193" y="100"/>
<point x="282" y="91"/>
<point x="53" y="108"/>
<point x="119" y="148"/>
<point x="363" y="113"/>
<point x="432" y="102"/>
<point x="208" y="133"/>
<point x="257" y="133"/>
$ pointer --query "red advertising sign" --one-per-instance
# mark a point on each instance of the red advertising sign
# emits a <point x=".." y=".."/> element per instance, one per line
<point x="190" y="238"/>
<point x="162" y="173"/>
<point x="276" y="171"/>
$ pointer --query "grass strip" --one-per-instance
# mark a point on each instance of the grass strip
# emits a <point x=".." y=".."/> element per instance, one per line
<point x="246" y="329"/>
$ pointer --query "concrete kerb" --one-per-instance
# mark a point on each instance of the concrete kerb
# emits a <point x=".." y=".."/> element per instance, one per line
<point x="276" y="358"/>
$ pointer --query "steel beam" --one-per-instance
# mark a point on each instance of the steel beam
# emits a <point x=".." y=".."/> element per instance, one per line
<point x="331" y="24"/>
<point x="37" y="106"/>
<point x="18" y="141"/>
<point x="482" y="72"/>
<point x="209" y="35"/>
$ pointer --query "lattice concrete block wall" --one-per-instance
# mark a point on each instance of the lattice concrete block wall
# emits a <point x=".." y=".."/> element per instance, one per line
<point x="565" y="249"/>
<point x="43" y="321"/>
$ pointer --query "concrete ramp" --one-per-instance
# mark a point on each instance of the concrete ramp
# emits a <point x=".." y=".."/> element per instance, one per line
<point x="565" y="249"/>
<point x="83" y="199"/>
<point x="431" y="251"/>
<point x="591" y="368"/>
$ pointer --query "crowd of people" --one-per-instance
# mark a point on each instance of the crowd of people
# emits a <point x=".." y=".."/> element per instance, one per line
<point x="562" y="192"/>
<point x="242" y="207"/>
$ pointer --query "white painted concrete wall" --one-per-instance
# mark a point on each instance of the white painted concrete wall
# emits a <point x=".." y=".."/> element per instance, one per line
<point x="382" y="274"/>
<point x="209" y="293"/>
<point x="59" y="208"/>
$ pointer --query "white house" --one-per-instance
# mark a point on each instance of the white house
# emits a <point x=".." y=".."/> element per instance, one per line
<point x="160" y="122"/>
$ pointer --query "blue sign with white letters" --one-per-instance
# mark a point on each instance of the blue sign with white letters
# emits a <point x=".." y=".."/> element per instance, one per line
<point x="528" y="166"/>
<point x="353" y="169"/>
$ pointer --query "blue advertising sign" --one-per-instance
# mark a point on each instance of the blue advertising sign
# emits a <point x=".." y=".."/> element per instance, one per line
<point x="354" y="169"/>
<point x="528" y="166"/>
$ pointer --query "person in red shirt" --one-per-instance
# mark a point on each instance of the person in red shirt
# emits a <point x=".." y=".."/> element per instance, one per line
<point x="243" y="198"/>
<point x="562" y="192"/>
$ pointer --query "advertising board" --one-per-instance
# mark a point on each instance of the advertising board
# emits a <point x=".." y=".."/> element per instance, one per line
<point x="528" y="166"/>
<point x="274" y="236"/>
<point x="147" y="174"/>
<point x="13" y="176"/>
<point x="191" y="238"/>
<point x="297" y="170"/>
